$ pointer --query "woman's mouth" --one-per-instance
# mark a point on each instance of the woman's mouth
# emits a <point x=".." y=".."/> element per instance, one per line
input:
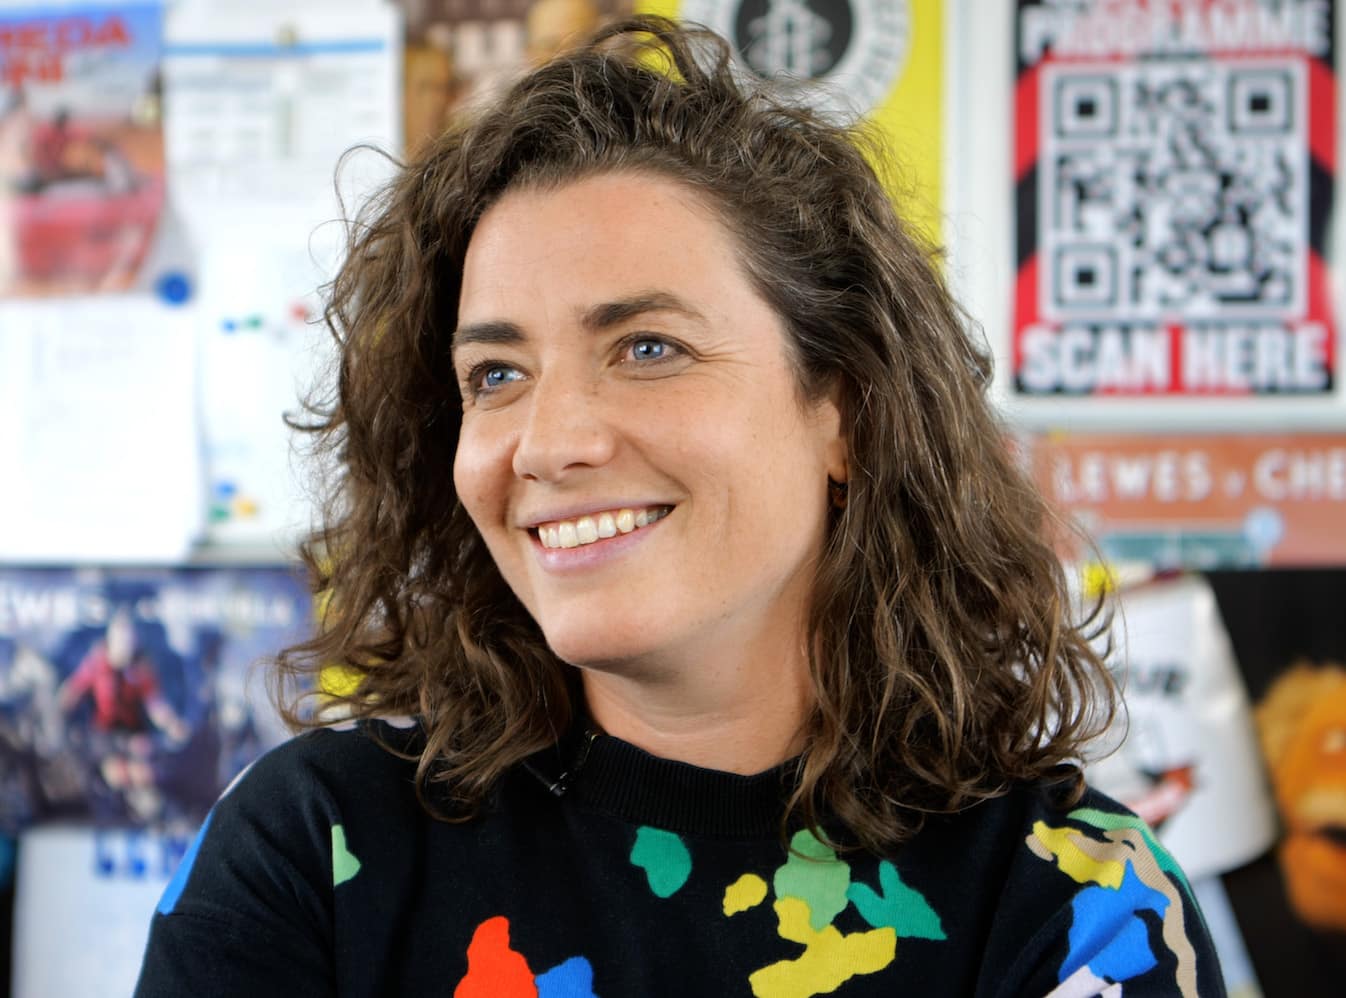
<point x="596" y="526"/>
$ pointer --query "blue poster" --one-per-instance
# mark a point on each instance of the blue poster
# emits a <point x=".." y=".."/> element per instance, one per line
<point x="134" y="697"/>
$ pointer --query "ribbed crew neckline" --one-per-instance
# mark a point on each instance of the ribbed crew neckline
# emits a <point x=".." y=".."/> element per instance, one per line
<point x="607" y="773"/>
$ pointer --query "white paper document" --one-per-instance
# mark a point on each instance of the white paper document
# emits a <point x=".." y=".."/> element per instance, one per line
<point x="99" y="435"/>
<point x="264" y="348"/>
<point x="261" y="104"/>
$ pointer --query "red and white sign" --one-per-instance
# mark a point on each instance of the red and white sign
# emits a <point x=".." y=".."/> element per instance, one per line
<point x="1174" y="172"/>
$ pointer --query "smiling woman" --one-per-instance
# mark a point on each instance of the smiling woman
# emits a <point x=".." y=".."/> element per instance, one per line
<point x="680" y="564"/>
<point x="651" y="385"/>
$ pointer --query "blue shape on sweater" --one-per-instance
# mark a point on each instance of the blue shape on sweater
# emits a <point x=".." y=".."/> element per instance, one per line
<point x="1106" y="932"/>
<point x="572" y="979"/>
<point x="1126" y="955"/>
<point x="175" y="886"/>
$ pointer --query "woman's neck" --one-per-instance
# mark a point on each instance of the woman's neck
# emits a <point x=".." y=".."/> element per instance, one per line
<point x="740" y="723"/>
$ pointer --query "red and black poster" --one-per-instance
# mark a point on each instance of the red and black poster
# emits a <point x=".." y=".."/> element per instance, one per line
<point x="1174" y="171"/>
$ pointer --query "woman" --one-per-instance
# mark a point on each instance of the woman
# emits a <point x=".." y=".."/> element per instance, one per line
<point x="702" y="635"/>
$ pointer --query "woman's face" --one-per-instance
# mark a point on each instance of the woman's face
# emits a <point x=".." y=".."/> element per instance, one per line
<point x="618" y="367"/>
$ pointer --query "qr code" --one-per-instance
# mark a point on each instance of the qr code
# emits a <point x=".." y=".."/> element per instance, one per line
<point x="1173" y="189"/>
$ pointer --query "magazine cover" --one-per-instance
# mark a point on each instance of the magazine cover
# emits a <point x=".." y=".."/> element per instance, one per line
<point x="81" y="147"/>
<point x="133" y="697"/>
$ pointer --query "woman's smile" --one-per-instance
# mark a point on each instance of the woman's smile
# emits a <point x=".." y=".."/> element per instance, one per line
<point x="564" y="547"/>
<point x="582" y="531"/>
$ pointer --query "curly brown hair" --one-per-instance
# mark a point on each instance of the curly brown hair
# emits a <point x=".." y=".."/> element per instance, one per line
<point x="947" y="659"/>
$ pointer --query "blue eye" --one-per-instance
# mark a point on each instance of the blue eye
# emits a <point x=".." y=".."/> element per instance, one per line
<point x="649" y="349"/>
<point x="489" y="377"/>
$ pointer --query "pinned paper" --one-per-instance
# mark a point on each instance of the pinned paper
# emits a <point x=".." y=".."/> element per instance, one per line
<point x="99" y="435"/>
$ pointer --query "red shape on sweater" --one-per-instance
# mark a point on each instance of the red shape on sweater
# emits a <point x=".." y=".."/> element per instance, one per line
<point x="493" y="969"/>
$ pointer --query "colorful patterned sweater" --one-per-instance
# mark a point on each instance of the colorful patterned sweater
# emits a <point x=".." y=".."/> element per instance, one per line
<point x="600" y="870"/>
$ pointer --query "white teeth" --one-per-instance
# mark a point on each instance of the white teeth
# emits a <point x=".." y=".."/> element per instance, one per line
<point x="587" y="529"/>
<point x="568" y="535"/>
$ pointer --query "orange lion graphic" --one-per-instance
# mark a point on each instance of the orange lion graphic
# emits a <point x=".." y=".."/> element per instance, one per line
<point x="1302" y="725"/>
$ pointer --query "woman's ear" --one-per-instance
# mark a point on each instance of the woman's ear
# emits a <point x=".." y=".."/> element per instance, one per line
<point x="831" y="423"/>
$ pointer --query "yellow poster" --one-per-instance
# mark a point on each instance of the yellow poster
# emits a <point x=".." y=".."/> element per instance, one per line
<point x="882" y="59"/>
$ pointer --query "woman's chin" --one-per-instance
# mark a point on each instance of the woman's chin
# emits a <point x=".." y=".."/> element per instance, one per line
<point x="601" y="650"/>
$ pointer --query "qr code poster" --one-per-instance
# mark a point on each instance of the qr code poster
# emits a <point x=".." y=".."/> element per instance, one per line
<point x="1174" y="174"/>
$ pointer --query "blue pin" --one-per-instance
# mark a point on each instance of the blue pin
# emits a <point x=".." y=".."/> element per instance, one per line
<point x="174" y="287"/>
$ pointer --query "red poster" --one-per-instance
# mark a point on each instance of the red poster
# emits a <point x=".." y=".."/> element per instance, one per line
<point x="81" y="147"/>
<point x="1174" y="171"/>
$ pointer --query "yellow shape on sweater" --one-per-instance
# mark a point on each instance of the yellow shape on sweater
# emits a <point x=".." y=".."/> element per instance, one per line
<point x="829" y="959"/>
<point x="1072" y="851"/>
<point x="746" y="892"/>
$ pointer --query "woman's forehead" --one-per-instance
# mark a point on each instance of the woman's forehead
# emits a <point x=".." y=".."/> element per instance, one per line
<point x="606" y="242"/>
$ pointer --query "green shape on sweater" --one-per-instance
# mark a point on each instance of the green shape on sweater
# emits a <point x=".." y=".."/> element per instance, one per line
<point x="344" y="863"/>
<point x="664" y="858"/>
<point x="899" y="906"/>
<point x="814" y="875"/>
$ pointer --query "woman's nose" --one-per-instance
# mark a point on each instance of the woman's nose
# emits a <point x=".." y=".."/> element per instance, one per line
<point x="567" y="428"/>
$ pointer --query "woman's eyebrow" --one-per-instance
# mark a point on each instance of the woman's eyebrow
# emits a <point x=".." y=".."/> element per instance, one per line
<point x="614" y="313"/>
<point x="595" y="318"/>
<point x="494" y="331"/>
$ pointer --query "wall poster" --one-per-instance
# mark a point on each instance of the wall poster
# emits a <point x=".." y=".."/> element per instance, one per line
<point x="460" y="52"/>
<point x="1201" y="501"/>
<point x="1174" y="174"/>
<point x="1285" y="628"/>
<point x="81" y="147"/>
<point x="880" y="59"/>
<point x="129" y="697"/>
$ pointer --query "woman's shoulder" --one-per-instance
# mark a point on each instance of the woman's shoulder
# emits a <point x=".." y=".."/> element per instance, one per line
<point x="1057" y="826"/>
<point x="366" y="760"/>
<point x="1072" y="884"/>
<point x="1087" y="834"/>
<point x="258" y="878"/>
<point x="289" y="810"/>
<point x="1057" y="800"/>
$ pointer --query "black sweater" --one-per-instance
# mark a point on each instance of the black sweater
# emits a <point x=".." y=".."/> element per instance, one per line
<point x="600" y="870"/>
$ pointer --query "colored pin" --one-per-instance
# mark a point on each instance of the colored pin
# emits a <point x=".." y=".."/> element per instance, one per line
<point x="173" y="288"/>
